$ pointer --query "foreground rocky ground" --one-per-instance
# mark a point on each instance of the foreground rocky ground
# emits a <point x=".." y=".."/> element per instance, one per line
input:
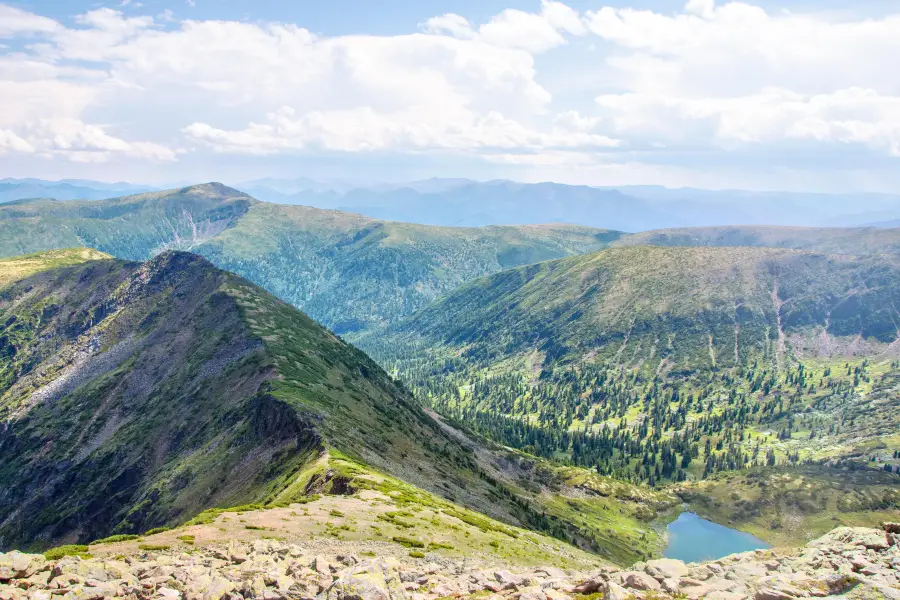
<point x="846" y="563"/>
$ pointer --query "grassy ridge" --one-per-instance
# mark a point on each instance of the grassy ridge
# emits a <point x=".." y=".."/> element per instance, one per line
<point x="13" y="269"/>
<point x="137" y="395"/>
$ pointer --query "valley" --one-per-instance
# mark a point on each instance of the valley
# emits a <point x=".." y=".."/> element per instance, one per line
<point x="662" y="365"/>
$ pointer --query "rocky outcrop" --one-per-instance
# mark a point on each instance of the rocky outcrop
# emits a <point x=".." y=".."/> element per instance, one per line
<point x="847" y="563"/>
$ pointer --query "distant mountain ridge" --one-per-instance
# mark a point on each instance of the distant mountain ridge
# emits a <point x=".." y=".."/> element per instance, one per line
<point x="66" y="189"/>
<point x="831" y="240"/>
<point x="348" y="271"/>
<point x="461" y="202"/>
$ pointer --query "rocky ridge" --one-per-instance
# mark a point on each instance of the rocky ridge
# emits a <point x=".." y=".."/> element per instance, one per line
<point x="846" y="563"/>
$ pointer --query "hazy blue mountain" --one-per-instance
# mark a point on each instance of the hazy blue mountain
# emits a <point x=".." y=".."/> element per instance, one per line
<point x="66" y="189"/>
<point x="461" y="202"/>
<point x="891" y="224"/>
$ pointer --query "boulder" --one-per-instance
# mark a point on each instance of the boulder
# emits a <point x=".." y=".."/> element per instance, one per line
<point x="11" y="593"/>
<point x="615" y="592"/>
<point x="532" y="593"/>
<point x="638" y="580"/>
<point x="891" y="527"/>
<point x="671" y="585"/>
<point x="376" y="580"/>
<point x="872" y="539"/>
<point x="510" y="581"/>
<point x="592" y="586"/>
<point x="18" y="565"/>
<point x="666" y="568"/>
<point x="321" y="565"/>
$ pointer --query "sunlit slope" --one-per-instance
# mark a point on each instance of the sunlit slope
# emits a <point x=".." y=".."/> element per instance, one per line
<point x="688" y="307"/>
<point x="830" y="240"/>
<point x="658" y="364"/>
<point x="133" y="227"/>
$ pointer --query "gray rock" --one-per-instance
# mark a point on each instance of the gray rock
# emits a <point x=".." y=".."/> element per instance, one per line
<point x="509" y="581"/>
<point x="772" y="594"/>
<point x="615" y="592"/>
<point x="376" y="580"/>
<point x="592" y="586"/>
<point x="874" y="539"/>
<point x="666" y="568"/>
<point x="638" y="580"/>
<point x="17" y="565"/>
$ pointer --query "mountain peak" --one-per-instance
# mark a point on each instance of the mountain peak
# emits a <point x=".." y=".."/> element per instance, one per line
<point x="213" y="188"/>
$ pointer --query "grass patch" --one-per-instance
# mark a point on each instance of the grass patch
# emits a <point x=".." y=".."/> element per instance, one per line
<point x="394" y="518"/>
<point x="481" y="523"/>
<point x="125" y="537"/>
<point x="68" y="550"/>
<point x="154" y="547"/>
<point x="416" y="554"/>
<point x="408" y="542"/>
<point x="439" y="546"/>
<point x="156" y="530"/>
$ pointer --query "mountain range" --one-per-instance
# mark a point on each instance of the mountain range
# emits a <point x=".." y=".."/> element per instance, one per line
<point x="347" y="271"/>
<point x="65" y="189"/>
<point x="466" y="203"/>
<point x="574" y="381"/>
<point x="461" y="202"/>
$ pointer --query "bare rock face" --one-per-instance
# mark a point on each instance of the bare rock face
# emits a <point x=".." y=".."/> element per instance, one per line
<point x="849" y="563"/>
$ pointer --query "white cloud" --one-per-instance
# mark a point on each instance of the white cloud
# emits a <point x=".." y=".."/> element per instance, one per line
<point x="853" y="115"/>
<point x="14" y="21"/>
<point x="732" y="74"/>
<point x="11" y="142"/>
<point x="77" y="141"/>
<point x="451" y="23"/>
<point x="725" y="77"/>
<point x="412" y="130"/>
<point x="737" y="48"/>
<point x="512" y="28"/>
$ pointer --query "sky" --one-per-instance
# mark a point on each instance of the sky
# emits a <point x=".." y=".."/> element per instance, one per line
<point x="756" y="95"/>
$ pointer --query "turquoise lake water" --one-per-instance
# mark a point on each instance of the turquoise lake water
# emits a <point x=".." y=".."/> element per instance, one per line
<point x="693" y="539"/>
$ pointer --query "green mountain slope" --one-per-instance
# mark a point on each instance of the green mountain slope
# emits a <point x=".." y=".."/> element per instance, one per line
<point x="348" y="272"/>
<point x="828" y="240"/>
<point x="134" y="227"/>
<point x="353" y="273"/>
<point x="667" y="363"/>
<point x="135" y="395"/>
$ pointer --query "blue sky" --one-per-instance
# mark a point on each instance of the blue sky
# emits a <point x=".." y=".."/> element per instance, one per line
<point x="756" y="94"/>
